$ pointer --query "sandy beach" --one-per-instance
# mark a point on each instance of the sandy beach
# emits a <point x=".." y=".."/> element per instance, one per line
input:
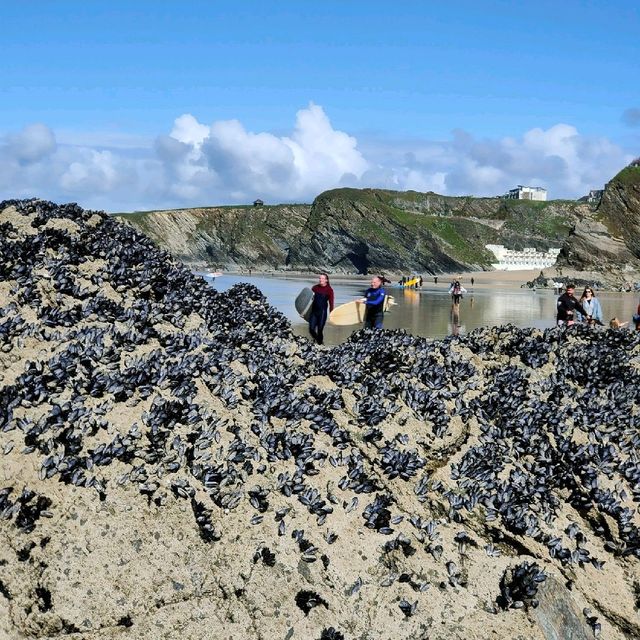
<point x="482" y="279"/>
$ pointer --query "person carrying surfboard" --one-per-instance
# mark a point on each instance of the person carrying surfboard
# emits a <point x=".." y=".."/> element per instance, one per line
<point x="322" y="300"/>
<point x="374" y="299"/>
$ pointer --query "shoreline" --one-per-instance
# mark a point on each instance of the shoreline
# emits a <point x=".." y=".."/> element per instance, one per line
<point x="482" y="279"/>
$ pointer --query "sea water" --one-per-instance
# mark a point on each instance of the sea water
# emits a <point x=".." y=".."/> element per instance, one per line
<point x="428" y="311"/>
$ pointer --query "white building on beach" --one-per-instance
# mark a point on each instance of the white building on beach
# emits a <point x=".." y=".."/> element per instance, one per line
<point x="526" y="193"/>
<point x="528" y="258"/>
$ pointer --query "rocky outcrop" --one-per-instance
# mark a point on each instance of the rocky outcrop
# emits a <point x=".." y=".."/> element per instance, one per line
<point x="609" y="240"/>
<point x="174" y="462"/>
<point x="355" y="231"/>
<point x="367" y="230"/>
<point x="226" y="237"/>
<point x="620" y="207"/>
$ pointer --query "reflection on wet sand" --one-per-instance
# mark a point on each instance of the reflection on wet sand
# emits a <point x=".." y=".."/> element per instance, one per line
<point x="455" y="328"/>
<point x="427" y="311"/>
<point x="411" y="296"/>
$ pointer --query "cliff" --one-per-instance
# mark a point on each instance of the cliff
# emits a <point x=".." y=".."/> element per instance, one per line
<point x="609" y="239"/>
<point x="360" y="230"/>
<point x="352" y="231"/>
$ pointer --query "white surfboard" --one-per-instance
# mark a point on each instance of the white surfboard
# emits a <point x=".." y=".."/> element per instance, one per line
<point x="353" y="312"/>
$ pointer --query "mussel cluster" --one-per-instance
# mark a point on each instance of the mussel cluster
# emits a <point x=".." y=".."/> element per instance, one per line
<point x="498" y="429"/>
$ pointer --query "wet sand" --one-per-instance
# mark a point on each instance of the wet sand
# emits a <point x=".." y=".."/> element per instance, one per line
<point x="482" y="279"/>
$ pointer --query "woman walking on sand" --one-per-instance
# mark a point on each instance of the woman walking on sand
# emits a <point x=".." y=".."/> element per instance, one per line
<point x="591" y="305"/>
<point x="456" y="290"/>
<point x="321" y="307"/>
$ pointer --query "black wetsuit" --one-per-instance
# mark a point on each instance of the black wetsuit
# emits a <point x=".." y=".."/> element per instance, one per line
<point x="320" y="307"/>
<point x="373" y="316"/>
<point x="567" y="307"/>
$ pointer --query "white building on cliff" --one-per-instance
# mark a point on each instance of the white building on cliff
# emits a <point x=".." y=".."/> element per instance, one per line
<point x="528" y="258"/>
<point x="526" y="193"/>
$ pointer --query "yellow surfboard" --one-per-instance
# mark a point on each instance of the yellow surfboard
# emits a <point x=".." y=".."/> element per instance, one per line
<point x="410" y="283"/>
<point x="353" y="312"/>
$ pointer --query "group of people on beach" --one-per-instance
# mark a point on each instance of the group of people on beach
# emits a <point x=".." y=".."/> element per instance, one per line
<point x="587" y="309"/>
<point x="324" y="302"/>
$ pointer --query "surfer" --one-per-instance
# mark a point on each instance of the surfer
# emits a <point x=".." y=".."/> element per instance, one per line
<point x="322" y="299"/>
<point x="374" y="299"/>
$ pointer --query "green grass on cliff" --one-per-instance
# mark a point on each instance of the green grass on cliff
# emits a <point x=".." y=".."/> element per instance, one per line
<point x="400" y="221"/>
<point x="463" y="239"/>
<point x="629" y="176"/>
<point x="455" y="223"/>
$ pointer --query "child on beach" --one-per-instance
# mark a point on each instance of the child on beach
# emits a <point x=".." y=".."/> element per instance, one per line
<point x="614" y="323"/>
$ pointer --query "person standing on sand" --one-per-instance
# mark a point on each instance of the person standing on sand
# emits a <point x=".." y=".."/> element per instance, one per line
<point x="472" y="281"/>
<point x="374" y="299"/>
<point x="456" y="290"/>
<point x="591" y="305"/>
<point x="567" y="305"/>
<point x="321" y="306"/>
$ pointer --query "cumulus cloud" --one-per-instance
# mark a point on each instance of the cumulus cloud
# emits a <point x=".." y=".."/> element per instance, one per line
<point x="227" y="159"/>
<point x="631" y="117"/>
<point x="559" y="158"/>
<point x="224" y="162"/>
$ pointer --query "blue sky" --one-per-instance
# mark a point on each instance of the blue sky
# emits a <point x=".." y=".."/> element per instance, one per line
<point x="401" y="95"/>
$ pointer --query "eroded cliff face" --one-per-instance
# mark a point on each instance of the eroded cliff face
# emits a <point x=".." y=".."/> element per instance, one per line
<point x="608" y="240"/>
<point x="226" y="237"/>
<point x="360" y="230"/>
<point x="620" y="207"/>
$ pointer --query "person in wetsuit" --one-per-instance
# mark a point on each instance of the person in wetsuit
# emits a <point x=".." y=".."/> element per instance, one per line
<point x="567" y="306"/>
<point x="321" y="307"/>
<point x="374" y="299"/>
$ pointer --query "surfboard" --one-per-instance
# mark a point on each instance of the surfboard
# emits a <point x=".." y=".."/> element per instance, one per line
<point x="303" y="302"/>
<point x="348" y="313"/>
<point x="411" y="283"/>
<point x="353" y="312"/>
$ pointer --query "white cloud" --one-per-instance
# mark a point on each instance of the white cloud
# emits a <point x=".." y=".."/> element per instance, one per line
<point x="223" y="162"/>
<point x="33" y="143"/>
<point x="245" y="165"/>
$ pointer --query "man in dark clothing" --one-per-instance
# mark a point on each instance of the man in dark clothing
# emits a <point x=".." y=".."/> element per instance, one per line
<point x="321" y="306"/>
<point x="374" y="299"/>
<point x="567" y="305"/>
